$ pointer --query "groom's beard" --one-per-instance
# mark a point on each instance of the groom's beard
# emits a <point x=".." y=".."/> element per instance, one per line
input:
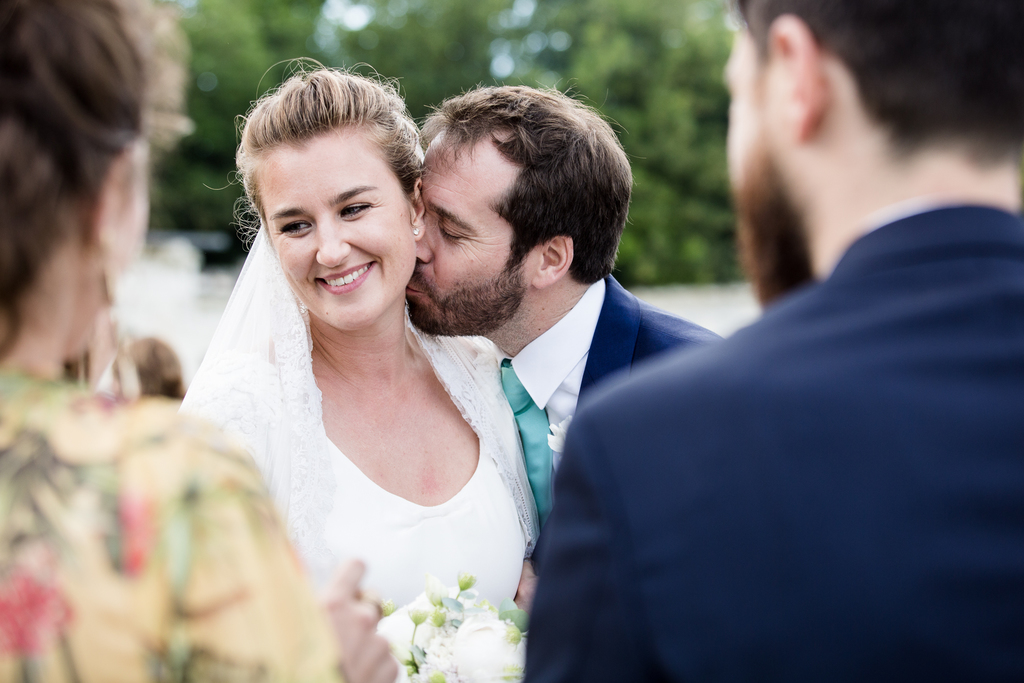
<point x="469" y="310"/>
<point x="771" y="235"/>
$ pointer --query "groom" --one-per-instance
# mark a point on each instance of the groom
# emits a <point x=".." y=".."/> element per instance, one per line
<point x="526" y="195"/>
<point x="835" y="493"/>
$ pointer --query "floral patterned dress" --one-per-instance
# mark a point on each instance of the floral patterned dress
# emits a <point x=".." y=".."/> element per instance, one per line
<point x="137" y="545"/>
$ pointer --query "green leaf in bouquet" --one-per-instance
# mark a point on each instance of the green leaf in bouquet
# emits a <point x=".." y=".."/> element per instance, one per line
<point x="419" y="655"/>
<point x="456" y="622"/>
<point x="507" y="605"/>
<point x="518" y="617"/>
<point x="452" y="604"/>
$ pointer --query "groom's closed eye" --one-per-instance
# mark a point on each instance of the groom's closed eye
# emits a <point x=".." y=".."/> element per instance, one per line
<point x="450" y="226"/>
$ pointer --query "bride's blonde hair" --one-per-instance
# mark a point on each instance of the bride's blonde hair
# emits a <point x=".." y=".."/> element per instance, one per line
<point x="321" y="101"/>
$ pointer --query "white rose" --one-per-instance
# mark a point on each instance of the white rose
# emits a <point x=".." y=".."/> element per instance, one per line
<point x="483" y="650"/>
<point x="556" y="439"/>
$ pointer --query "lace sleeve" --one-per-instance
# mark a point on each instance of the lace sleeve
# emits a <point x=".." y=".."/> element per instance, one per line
<point x="468" y="367"/>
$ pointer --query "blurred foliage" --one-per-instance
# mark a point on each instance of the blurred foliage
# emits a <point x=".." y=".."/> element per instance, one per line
<point x="654" y="68"/>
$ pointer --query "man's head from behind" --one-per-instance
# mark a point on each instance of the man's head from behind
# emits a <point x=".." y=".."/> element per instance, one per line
<point x="517" y="181"/>
<point x="944" y="75"/>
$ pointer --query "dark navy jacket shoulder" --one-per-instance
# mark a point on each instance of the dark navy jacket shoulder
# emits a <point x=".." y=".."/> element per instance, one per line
<point x="630" y="330"/>
<point x="835" y="493"/>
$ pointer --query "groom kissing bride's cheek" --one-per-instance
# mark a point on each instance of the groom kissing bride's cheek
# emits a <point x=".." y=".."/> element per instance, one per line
<point x="526" y="194"/>
<point x="423" y="447"/>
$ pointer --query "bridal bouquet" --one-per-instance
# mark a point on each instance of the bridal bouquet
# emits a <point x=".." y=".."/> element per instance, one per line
<point x="447" y="635"/>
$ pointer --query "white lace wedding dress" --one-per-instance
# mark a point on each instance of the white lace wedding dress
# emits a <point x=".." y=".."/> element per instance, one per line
<point x="256" y="382"/>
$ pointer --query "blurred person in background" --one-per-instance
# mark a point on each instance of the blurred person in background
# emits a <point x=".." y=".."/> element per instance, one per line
<point x="155" y="365"/>
<point x="134" y="544"/>
<point x="835" y="493"/>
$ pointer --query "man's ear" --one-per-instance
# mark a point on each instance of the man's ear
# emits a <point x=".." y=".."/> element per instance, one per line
<point x="800" y="75"/>
<point x="549" y="261"/>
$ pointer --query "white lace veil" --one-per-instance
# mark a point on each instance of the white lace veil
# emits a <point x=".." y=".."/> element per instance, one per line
<point x="256" y="382"/>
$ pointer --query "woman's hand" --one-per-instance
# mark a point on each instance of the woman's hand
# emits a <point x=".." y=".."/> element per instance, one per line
<point x="527" y="587"/>
<point x="365" y="656"/>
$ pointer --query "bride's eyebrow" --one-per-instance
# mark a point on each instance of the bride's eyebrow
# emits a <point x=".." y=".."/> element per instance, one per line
<point x="340" y="198"/>
<point x="343" y="197"/>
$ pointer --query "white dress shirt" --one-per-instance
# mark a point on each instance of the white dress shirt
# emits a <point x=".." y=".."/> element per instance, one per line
<point x="551" y="366"/>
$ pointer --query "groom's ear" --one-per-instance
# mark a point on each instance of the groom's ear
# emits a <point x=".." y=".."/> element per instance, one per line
<point x="548" y="262"/>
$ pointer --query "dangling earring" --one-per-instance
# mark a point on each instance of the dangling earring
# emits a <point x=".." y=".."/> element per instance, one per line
<point x="127" y="372"/>
<point x="108" y="275"/>
<point x="109" y="284"/>
<point x="129" y="385"/>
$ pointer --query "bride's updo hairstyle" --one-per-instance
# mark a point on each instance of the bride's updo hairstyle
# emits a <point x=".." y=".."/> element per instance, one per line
<point x="322" y="101"/>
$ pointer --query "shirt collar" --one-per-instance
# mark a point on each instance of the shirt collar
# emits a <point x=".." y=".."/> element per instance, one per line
<point x="546" y="362"/>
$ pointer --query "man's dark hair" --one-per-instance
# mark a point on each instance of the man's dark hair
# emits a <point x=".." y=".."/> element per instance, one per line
<point x="932" y="72"/>
<point x="574" y="176"/>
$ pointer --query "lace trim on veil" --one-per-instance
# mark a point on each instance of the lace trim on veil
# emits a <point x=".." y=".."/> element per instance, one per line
<point x="256" y="382"/>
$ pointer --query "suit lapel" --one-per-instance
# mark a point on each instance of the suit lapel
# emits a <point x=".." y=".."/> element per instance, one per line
<point x="615" y="335"/>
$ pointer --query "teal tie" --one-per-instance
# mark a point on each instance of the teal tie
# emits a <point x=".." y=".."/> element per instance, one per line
<point x="533" y="429"/>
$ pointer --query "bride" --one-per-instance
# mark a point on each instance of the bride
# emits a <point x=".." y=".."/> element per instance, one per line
<point x="377" y="441"/>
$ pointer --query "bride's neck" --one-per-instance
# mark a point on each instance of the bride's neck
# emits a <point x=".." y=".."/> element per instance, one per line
<point x="379" y="356"/>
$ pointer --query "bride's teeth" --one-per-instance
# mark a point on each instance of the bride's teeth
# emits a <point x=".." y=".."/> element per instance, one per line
<point x="348" y="279"/>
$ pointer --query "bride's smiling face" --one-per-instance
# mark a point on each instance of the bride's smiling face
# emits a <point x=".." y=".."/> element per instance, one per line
<point x="342" y="227"/>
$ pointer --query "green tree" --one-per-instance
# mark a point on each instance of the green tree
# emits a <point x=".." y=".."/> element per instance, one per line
<point x="236" y="47"/>
<point x="654" y="68"/>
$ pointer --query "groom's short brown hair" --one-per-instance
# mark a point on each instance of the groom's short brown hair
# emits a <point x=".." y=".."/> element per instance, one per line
<point x="934" y="72"/>
<point x="574" y="176"/>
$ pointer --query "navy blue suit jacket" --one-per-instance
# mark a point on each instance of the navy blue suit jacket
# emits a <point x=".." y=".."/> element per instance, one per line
<point x="630" y="330"/>
<point x="835" y="493"/>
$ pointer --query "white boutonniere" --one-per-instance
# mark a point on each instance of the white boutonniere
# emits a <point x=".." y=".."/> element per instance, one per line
<point x="556" y="439"/>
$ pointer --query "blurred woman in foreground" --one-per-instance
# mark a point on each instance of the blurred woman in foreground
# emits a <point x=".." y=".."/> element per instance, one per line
<point x="134" y="544"/>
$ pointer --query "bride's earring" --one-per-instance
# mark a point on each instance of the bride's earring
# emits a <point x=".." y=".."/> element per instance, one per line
<point x="416" y="231"/>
